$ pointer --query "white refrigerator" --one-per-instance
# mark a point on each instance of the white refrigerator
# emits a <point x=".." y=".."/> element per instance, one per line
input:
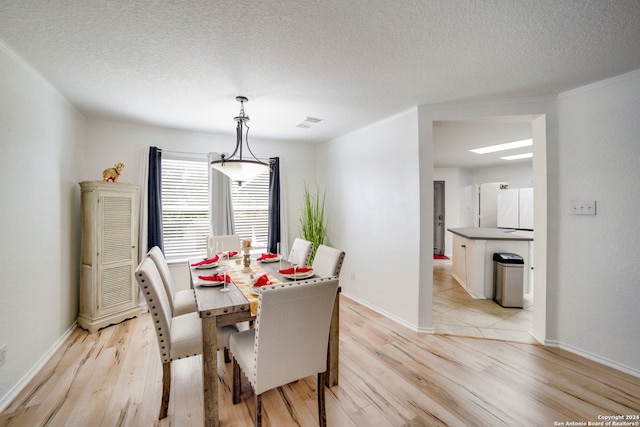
<point x="515" y="208"/>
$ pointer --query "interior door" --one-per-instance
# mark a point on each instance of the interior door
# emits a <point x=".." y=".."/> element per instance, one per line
<point x="438" y="217"/>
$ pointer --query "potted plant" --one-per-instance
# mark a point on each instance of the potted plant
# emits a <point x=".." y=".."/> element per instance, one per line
<point x="312" y="222"/>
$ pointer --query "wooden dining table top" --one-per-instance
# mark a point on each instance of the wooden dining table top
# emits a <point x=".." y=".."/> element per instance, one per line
<point x="213" y="302"/>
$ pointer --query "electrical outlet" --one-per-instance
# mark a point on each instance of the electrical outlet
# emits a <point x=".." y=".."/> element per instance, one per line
<point x="353" y="275"/>
<point x="3" y="354"/>
<point x="577" y="207"/>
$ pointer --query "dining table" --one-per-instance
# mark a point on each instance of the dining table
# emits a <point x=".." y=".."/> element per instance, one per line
<point x="240" y="304"/>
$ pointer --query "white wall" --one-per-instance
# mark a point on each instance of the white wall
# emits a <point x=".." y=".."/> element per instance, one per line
<point x="371" y="182"/>
<point x="517" y="175"/>
<point x="41" y="138"/>
<point x="109" y="142"/>
<point x="597" y="279"/>
<point x="466" y="200"/>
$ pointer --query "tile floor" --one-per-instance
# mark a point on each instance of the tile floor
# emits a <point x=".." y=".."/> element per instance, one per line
<point x="456" y="313"/>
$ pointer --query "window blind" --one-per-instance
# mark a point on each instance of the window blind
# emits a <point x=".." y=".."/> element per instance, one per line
<point x="185" y="207"/>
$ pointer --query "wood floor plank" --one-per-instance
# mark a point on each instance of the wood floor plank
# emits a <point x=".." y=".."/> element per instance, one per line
<point x="408" y="390"/>
<point x="134" y="369"/>
<point x="389" y="376"/>
<point x="150" y="406"/>
<point x="186" y="398"/>
<point x="380" y="389"/>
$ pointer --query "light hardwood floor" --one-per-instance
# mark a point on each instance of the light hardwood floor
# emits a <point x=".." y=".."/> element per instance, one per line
<point x="389" y="376"/>
<point x="455" y="312"/>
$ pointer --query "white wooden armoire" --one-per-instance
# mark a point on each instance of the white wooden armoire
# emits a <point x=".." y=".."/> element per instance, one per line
<point x="109" y="254"/>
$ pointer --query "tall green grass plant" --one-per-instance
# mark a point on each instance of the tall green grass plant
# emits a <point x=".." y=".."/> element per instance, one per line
<point x="312" y="220"/>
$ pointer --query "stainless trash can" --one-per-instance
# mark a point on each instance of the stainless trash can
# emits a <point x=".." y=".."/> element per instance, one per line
<point x="507" y="279"/>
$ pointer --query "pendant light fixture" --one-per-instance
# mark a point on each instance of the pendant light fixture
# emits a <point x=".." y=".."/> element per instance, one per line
<point x="235" y="166"/>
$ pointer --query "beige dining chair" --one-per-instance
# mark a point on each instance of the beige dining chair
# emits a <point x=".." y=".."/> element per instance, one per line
<point x="230" y="242"/>
<point x="178" y="336"/>
<point x="303" y="249"/>
<point x="180" y="302"/>
<point x="328" y="261"/>
<point x="289" y="341"/>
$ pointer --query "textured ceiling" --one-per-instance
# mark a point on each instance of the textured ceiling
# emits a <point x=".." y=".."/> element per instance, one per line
<point x="181" y="63"/>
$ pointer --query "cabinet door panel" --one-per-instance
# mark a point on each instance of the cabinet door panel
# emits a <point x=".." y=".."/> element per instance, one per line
<point x="116" y="225"/>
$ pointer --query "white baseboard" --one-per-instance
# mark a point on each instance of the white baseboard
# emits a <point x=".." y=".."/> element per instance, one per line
<point x="17" y="388"/>
<point x="535" y="336"/>
<point x="594" y="357"/>
<point x="465" y="287"/>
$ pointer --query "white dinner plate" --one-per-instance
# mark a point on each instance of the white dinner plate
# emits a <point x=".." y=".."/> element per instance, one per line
<point x="207" y="266"/>
<point x="276" y="259"/>
<point x="299" y="276"/>
<point x="209" y="283"/>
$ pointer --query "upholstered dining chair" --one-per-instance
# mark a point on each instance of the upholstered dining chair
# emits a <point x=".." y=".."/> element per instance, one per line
<point x="180" y="302"/>
<point x="303" y="250"/>
<point x="289" y="341"/>
<point x="230" y="242"/>
<point x="178" y="336"/>
<point x="328" y="261"/>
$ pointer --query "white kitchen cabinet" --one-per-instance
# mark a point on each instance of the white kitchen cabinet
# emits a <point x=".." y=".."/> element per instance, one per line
<point x="109" y="254"/>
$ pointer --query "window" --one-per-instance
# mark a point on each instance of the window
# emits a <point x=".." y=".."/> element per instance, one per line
<point x="185" y="207"/>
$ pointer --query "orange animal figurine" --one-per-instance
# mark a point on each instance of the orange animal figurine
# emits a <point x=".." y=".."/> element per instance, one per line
<point x="113" y="173"/>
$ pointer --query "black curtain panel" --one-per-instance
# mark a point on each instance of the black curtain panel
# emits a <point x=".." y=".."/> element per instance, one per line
<point x="274" y="205"/>
<point x="154" y="237"/>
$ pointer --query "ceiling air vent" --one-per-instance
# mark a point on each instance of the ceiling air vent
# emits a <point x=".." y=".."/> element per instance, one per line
<point x="308" y="122"/>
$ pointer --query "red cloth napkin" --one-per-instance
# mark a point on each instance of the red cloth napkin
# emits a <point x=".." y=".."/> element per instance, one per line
<point x="262" y="281"/>
<point x="298" y="270"/>
<point x="267" y="256"/>
<point x="229" y="254"/>
<point x="206" y="261"/>
<point x="216" y="278"/>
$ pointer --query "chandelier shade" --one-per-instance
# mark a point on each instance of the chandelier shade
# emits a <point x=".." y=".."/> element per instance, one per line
<point x="239" y="170"/>
<point x="235" y="166"/>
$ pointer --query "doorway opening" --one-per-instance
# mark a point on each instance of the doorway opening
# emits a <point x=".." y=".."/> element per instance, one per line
<point x="463" y="186"/>
<point x="438" y="218"/>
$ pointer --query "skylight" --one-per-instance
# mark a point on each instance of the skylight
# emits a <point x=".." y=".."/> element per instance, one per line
<point x="502" y="147"/>
<point x="518" y="156"/>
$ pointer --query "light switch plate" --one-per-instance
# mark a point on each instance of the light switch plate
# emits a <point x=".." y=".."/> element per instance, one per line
<point x="582" y="207"/>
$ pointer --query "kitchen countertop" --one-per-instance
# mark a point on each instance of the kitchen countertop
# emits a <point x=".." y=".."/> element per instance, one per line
<point x="489" y="233"/>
